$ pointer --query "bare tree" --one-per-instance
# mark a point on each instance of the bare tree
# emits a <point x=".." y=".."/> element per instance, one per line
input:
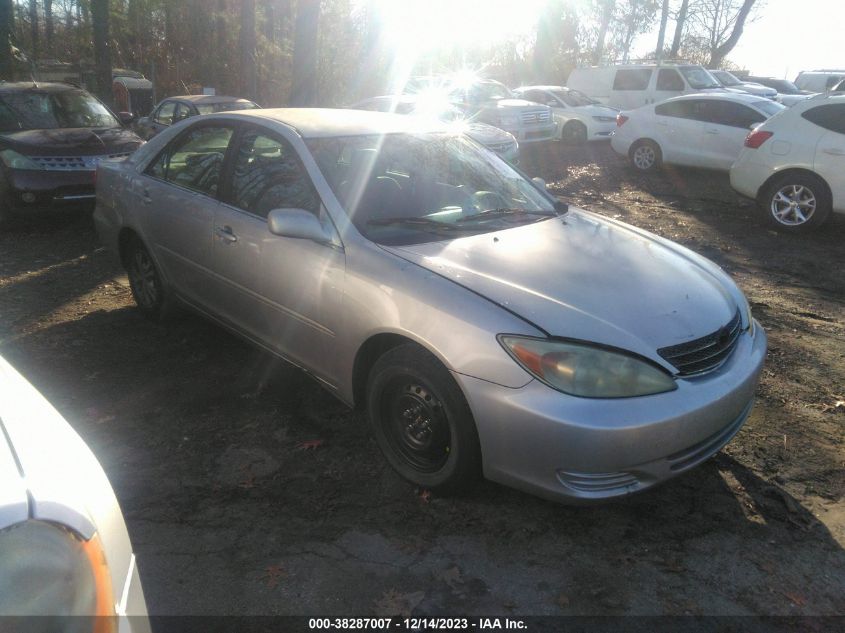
<point x="102" y="49"/>
<point x="249" y="83"/>
<point x="606" y="15"/>
<point x="304" y="91"/>
<point x="48" y="26"/>
<point x="664" y="17"/>
<point x="6" y="30"/>
<point x="33" y="25"/>
<point x="717" y="25"/>
<point x="680" y="23"/>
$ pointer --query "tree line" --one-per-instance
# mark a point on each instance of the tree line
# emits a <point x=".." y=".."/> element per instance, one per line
<point x="329" y="52"/>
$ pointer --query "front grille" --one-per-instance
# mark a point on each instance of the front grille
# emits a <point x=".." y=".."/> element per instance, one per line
<point x="536" y="117"/>
<point x="73" y="163"/>
<point x="705" y="353"/>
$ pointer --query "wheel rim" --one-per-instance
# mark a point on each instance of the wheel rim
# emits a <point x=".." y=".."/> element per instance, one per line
<point x="415" y="424"/>
<point x="143" y="278"/>
<point x="644" y="157"/>
<point x="793" y="205"/>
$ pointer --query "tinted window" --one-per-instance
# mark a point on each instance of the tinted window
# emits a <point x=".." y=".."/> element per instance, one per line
<point x="632" y="79"/>
<point x="183" y="111"/>
<point x="194" y="159"/>
<point x="733" y="114"/>
<point x="268" y="175"/>
<point x="686" y="109"/>
<point x="668" y="79"/>
<point x="830" y="117"/>
<point x="165" y="113"/>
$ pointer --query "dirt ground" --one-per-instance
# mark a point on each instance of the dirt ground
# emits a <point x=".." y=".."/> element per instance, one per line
<point x="248" y="490"/>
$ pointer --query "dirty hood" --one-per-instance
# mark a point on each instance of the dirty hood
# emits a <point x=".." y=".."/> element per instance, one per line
<point x="71" y="141"/>
<point x="589" y="278"/>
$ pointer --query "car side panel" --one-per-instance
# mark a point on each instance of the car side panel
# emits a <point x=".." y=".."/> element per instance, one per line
<point x="830" y="164"/>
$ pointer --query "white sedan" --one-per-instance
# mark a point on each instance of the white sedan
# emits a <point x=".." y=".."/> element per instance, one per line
<point x="697" y="130"/>
<point x="579" y="118"/>
<point x="64" y="548"/>
<point x="794" y="164"/>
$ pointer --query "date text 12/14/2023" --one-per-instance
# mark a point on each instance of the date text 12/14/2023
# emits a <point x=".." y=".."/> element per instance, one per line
<point x="415" y="624"/>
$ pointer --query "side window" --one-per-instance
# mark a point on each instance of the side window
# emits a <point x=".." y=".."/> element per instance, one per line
<point x="268" y="175"/>
<point x="669" y="79"/>
<point x="632" y="79"/>
<point x="679" y="109"/>
<point x="182" y="112"/>
<point x="194" y="159"/>
<point x="830" y="117"/>
<point x="165" y="113"/>
<point x="733" y="114"/>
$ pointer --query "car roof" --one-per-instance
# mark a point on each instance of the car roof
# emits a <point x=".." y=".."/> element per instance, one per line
<point x="210" y="99"/>
<point x="43" y="86"/>
<point x="331" y="122"/>
<point x="720" y="96"/>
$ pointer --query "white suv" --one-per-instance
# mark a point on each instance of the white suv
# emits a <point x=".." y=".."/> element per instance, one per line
<point x="794" y="164"/>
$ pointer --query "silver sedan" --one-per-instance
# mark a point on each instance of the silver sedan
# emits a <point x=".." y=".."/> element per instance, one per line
<point x="484" y="326"/>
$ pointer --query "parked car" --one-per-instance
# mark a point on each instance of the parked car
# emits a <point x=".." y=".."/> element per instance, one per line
<point x="634" y="85"/>
<point x="697" y="130"/>
<point x="788" y="92"/>
<point x="52" y="136"/>
<point x="579" y="118"/>
<point x="493" y="138"/>
<point x="794" y="164"/>
<point x="732" y="83"/>
<point x="175" y="109"/>
<point x="483" y="324"/>
<point x="491" y="102"/>
<point x="819" y="80"/>
<point x="64" y="548"/>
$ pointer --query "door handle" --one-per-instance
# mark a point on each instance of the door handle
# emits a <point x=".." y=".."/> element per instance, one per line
<point x="225" y="234"/>
<point x="834" y="151"/>
<point x="145" y="196"/>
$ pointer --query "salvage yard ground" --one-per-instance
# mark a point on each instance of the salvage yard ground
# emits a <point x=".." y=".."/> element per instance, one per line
<point x="247" y="489"/>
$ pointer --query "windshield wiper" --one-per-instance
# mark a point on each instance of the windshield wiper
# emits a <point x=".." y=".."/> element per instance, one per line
<point x="503" y="212"/>
<point x="421" y="223"/>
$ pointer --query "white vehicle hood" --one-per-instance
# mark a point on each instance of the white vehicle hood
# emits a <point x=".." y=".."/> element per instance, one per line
<point x="487" y="134"/>
<point x="596" y="110"/>
<point x="589" y="278"/>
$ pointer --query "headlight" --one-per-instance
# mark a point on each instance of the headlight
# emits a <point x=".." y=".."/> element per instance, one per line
<point x="508" y="120"/>
<point x="13" y="160"/>
<point x="49" y="571"/>
<point x="586" y="371"/>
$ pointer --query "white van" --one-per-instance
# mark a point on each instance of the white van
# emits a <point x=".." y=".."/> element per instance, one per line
<point x="631" y="86"/>
<point x="819" y="80"/>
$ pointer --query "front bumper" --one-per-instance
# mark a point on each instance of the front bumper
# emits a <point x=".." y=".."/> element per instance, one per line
<point x="580" y="449"/>
<point x="37" y="190"/>
<point x="535" y="133"/>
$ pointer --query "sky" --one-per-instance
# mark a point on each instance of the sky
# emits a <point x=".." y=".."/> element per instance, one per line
<point x="789" y="36"/>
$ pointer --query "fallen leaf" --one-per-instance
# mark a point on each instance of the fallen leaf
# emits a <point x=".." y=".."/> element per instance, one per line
<point x="424" y="495"/>
<point x="310" y="445"/>
<point x="795" y="598"/>
<point x="272" y="574"/>
<point x="563" y="600"/>
<point x="393" y="603"/>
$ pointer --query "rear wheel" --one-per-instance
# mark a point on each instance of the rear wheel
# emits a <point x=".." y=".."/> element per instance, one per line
<point x="421" y="420"/>
<point x="796" y="202"/>
<point x="574" y="133"/>
<point x="645" y="155"/>
<point x="144" y="280"/>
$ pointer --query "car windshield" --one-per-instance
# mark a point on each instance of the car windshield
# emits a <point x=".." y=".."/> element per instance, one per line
<point x="725" y="78"/>
<point x="413" y="188"/>
<point x="228" y="106"/>
<point x="698" y="78"/>
<point x="573" y="98"/>
<point x="39" y="110"/>
<point x="771" y="108"/>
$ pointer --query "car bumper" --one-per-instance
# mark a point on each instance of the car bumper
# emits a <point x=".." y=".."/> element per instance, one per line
<point x="581" y="449"/>
<point x="602" y="131"/>
<point x="619" y="144"/>
<point x="535" y="134"/>
<point x="747" y="176"/>
<point x="31" y="190"/>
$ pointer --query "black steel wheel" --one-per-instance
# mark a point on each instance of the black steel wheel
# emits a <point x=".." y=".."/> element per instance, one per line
<point x="145" y="281"/>
<point x="421" y="420"/>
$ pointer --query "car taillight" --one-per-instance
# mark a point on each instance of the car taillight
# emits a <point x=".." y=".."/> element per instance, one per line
<point x="756" y="138"/>
<point x="620" y="120"/>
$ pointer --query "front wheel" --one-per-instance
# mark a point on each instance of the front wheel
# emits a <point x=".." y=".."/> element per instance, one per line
<point x="796" y="202"/>
<point x="574" y="133"/>
<point x="421" y="420"/>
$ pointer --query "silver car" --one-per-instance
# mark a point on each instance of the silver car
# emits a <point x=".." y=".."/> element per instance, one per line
<point x="484" y="326"/>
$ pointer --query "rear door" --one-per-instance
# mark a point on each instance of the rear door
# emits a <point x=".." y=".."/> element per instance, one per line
<point x="728" y="123"/>
<point x="829" y="161"/>
<point x="679" y="130"/>
<point x="668" y="84"/>
<point x="179" y="191"/>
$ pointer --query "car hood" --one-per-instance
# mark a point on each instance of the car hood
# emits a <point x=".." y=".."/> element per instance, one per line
<point x="485" y="134"/>
<point x="515" y="104"/>
<point x="79" y="141"/>
<point x="585" y="277"/>
<point x="597" y="110"/>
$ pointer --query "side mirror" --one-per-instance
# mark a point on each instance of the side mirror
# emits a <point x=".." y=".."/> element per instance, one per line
<point x="297" y="223"/>
<point x="126" y="118"/>
<point x="539" y="182"/>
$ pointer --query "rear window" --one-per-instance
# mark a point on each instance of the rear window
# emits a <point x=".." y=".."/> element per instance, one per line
<point x="632" y="79"/>
<point x="830" y="117"/>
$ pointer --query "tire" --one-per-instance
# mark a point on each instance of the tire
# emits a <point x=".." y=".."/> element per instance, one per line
<point x="645" y="155"/>
<point x="422" y="422"/>
<point x="145" y="282"/>
<point x="796" y="202"/>
<point x="574" y="133"/>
